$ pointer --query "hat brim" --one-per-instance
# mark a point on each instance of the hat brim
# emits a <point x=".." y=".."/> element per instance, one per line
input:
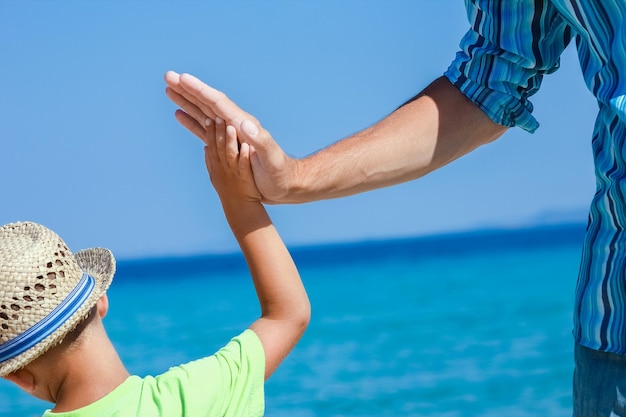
<point x="99" y="263"/>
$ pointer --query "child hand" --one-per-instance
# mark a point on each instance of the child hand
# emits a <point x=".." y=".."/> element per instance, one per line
<point x="228" y="163"/>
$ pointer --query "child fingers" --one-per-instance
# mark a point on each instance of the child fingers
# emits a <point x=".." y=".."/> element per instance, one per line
<point x="231" y="145"/>
<point x="211" y="150"/>
<point x="220" y="138"/>
<point x="244" y="159"/>
<point x="209" y="161"/>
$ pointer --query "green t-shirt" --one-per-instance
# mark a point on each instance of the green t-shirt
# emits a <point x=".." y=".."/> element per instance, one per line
<point x="228" y="383"/>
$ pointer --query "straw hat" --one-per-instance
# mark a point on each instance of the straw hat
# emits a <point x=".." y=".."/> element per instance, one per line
<point x="45" y="290"/>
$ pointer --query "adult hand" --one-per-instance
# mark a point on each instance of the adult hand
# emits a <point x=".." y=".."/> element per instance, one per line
<point x="273" y="170"/>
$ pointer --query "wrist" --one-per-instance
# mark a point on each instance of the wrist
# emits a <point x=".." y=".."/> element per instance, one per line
<point x="298" y="182"/>
<point x="313" y="178"/>
<point x="244" y="216"/>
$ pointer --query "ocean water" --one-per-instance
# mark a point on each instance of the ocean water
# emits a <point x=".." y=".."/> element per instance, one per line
<point x="474" y="324"/>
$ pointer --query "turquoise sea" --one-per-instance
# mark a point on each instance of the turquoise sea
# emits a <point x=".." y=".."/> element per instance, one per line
<point x="471" y="324"/>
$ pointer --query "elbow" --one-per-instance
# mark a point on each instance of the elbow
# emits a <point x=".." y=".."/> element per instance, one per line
<point x="299" y="318"/>
<point x="302" y="317"/>
<point x="293" y="319"/>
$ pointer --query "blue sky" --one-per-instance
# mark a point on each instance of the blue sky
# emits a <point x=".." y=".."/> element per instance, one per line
<point x="90" y="147"/>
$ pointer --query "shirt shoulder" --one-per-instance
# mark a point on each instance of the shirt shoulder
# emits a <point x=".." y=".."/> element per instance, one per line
<point x="227" y="383"/>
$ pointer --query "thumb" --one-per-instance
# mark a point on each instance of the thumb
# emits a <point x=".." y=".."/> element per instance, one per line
<point x="257" y="137"/>
<point x="249" y="130"/>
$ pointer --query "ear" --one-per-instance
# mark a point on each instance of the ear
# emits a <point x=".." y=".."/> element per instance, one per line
<point x="23" y="379"/>
<point x="103" y="305"/>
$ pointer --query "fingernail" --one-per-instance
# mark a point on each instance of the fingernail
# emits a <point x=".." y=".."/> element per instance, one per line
<point x="218" y="120"/>
<point x="207" y="122"/>
<point x="249" y="128"/>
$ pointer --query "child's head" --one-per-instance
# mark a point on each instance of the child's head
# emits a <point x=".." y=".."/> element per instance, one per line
<point x="47" y="294"/>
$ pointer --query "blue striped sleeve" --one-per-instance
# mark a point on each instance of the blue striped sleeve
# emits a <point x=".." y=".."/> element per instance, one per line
<point x="504" y="55"/>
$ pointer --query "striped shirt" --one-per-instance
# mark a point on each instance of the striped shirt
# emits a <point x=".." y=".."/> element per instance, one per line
<point x="503" y="58"/>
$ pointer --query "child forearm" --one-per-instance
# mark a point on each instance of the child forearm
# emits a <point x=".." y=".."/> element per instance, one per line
<point x="285" y="307"/>
<point x="275" y="276"/>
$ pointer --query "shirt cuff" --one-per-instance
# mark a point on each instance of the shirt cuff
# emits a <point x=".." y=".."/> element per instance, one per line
<point x="501" y="107"/>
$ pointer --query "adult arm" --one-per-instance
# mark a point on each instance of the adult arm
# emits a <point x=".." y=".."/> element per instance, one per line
<point x="436" y="127"/>
<point x="285" y="308"/>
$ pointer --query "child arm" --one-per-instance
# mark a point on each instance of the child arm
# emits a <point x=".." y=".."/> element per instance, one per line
<point x="285" y="308"/>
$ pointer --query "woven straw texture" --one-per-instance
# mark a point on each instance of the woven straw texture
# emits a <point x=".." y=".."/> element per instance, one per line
<point x="37" y="272"/>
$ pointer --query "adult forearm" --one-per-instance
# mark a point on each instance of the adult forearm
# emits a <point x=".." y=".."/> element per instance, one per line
<point x="439" y="126"/>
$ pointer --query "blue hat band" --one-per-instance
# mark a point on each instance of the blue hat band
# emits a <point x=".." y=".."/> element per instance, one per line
<point x="51" y="322"/>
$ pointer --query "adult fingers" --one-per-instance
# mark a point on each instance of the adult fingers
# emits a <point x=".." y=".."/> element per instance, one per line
<point x="187" y="106"/>
<point x="173" y="83"/>
<point x="190" y="124"/>
<point x="214" y="99"/>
